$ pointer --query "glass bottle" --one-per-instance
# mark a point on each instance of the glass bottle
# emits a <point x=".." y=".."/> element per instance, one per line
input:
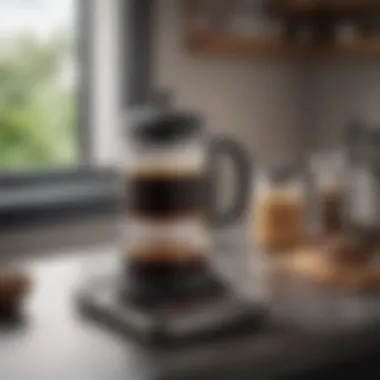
<point x="328" y="172"/>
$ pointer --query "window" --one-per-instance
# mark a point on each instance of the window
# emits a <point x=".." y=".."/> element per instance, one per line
<point x="38" y="85"/>
<point x="49" y="81"/>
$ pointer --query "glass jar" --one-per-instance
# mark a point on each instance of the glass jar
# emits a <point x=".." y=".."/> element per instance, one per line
<point x="328" y="172"/>
<point x="164" y="222"/>
<point x="169" y="200"/>
<point x="278" y="210"/>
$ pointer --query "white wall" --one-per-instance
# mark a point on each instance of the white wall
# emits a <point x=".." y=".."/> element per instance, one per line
<point x="275" y="108"/>
<point x="255" y="101"/>
<point x="258" y="102"/>
<point x="340" y="92"/>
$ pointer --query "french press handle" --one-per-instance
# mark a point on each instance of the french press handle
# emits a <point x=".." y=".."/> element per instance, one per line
<point x="220" y="150"/>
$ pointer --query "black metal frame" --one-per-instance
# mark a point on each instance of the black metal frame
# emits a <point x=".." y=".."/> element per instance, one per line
<point x="137" y="54"/>
<point x="85" y="32"/>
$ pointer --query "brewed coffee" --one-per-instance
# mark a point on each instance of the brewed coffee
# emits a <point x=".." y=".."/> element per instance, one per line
<point x="158" y="261"/>
<point x="157" y="194"/>
<point x="159" y="272"/>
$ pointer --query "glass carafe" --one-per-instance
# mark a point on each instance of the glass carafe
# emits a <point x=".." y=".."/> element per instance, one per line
<point x="169" y="183"/>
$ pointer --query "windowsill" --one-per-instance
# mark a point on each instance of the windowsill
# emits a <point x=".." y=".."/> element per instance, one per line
<point x="61" y="238"/>
<point x="52" y="198"/>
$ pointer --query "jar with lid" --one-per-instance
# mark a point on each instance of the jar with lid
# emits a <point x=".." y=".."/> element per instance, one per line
<point x="163" y="223"/>
<point x="329" y="179"/>
<point x="169" y="201"/>
<point x="278" y="210"/>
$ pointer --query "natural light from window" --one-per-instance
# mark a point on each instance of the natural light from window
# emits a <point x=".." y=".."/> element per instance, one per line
<point x="38" y="127"/>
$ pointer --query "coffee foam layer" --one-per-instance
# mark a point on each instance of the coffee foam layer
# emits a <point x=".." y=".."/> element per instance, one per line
<point x="178" y="162"/>
<point x="166" y="251"/>
<point x="193" y="230"/>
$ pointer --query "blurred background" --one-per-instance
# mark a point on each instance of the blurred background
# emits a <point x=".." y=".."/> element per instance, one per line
<point x="285" y="78"/>
<point x="295" y="82"/>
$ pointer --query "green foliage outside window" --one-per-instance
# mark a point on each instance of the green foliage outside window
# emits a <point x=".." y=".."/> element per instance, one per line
<point x="37" y="109"/>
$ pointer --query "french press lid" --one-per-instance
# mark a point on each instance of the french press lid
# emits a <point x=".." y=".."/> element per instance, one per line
<point x="164" y="127"/>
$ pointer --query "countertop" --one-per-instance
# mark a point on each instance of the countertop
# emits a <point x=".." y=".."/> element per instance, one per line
<point x="56" y="342"/>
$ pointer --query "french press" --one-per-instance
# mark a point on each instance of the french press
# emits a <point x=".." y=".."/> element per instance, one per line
<point x="170" y="181"/>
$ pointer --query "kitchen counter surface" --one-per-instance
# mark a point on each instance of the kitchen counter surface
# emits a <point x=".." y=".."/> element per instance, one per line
<point x="55" y="342"/>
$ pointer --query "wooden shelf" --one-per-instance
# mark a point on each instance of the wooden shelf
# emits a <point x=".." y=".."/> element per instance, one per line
<point x="299" y="7"/>
<point x="228" y="45"/>
<point x="217" y="45"/>
<point x="365" y="47"/>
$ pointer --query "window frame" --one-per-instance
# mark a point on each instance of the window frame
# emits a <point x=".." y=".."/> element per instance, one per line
<point x="136" y="53"/>
<point x="85" y="34"/>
